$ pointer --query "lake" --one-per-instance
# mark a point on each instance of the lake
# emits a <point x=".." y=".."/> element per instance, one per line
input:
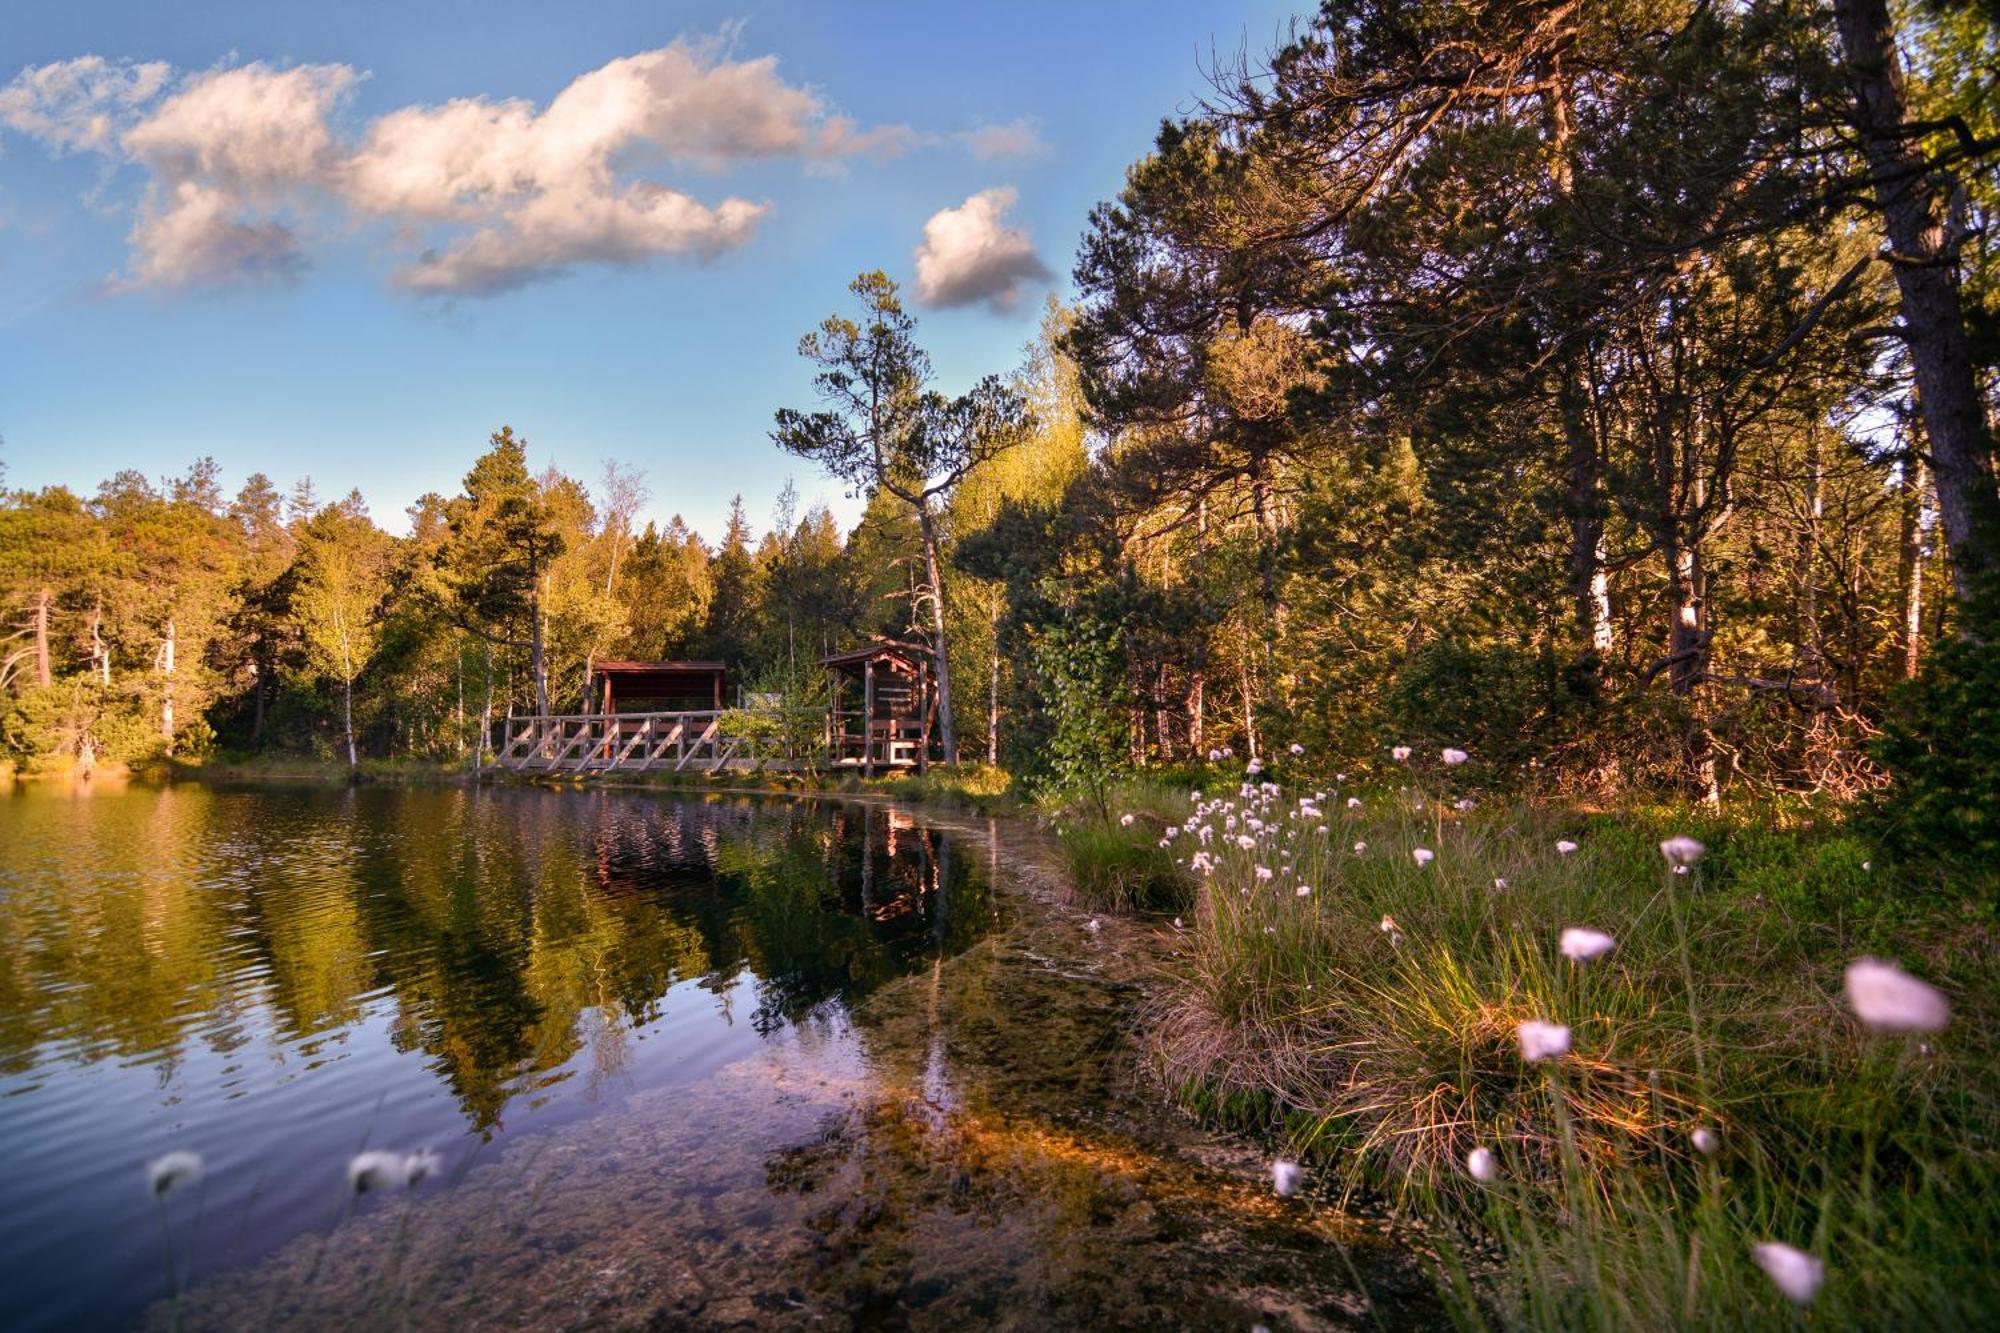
<point x="721" y="1061"/>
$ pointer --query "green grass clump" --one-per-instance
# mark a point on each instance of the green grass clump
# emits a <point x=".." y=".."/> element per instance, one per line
<point x="1376" y="1016"/>
<point x="1114" y="854"/>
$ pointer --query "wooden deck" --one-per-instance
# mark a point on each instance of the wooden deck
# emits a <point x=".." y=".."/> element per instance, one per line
<point x="621" y="742"/>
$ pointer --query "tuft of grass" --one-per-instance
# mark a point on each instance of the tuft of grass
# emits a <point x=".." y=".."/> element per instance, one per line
<point x="1117" y="862"/>
<point x="1389" y="1054"/>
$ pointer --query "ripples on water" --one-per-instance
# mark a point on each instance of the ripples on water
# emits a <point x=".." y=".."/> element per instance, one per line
<point x="279" y="978"/>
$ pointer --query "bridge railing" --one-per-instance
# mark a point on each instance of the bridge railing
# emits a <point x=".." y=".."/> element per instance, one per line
<point x="625" y="742"/>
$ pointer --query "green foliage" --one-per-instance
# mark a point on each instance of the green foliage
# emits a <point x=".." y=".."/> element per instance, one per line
<point x="1080" y="659"/>
<point x="1941" y="815"/>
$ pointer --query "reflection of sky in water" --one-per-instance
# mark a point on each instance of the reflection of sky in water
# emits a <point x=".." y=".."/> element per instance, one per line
<point x="275" y="978"/>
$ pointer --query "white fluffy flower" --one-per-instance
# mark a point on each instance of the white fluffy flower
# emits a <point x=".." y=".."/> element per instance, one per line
<point x="1298" y="749"/>
<point x="169" y="1170"/>
<point x="1400" y="753"/>
<point x="1286" y="1176"/>
<point x="1583" y="944"/>
<point x="1360" y="847"/>
<point x="1263" y="872"/>
<point x="1452" y="756"/>
<point x="1681" y="850"/>
<point x="1565" y="846"/>
<point x="420" y="1164"/>
<point x="1125" y="820"/>
<point x="1305" y="890"/>
<point x="1423" y="856"/>
<point x="1793" y="1272"/>
<point x="1482" y="1165"/>
<point x="1888" y="999"/>
<point x="377" y="1170"/>
<point x="1706" y="1141"/>
<point x="1354" y="803"/>
<point x="1463" y="805"/>
<point x="1542" y="1041"/>
<point x="1245" y="841"/>
<point x="1500" y="885"/>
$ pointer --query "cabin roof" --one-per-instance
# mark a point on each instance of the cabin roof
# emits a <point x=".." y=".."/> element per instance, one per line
<point x="908" y="655"/>
<point x="659" y="668"/>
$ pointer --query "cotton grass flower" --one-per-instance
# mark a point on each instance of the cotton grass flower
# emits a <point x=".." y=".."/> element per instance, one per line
<point x="1360" y="848"/>
<point x="1793" y="1272"/>
<point x="1706" y="1141"/>
<point x="1499" y="886"/>
<point x="1125" y="821"/>
<point x="1305" y="890"/>
<point x="1455" y="757"/>
<point x="377" y="1170"/>
<point x="1482" y="1165"/>
<point x="1542" y="1041"/>
<point x="1681" y="850"/>
<point x="1888" y="999"/>
<point x="1400" y="753"/>
<point x="1286" y="1177"/>
<point x="1354" y="803"/>
<point x="1388" y="926"/>
<point x="1423" y="856"/>
<point x="420" y="1164"/>
<point x="1297" y="749"/>
<point x="1263" y="873"/>
<point x="1581" y="944"/>
<point x="171" y="1170"/>
<point x="1565" y="846"/>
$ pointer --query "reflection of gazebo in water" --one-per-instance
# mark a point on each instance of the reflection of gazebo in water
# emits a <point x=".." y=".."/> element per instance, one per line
<point x="898" y="707"/>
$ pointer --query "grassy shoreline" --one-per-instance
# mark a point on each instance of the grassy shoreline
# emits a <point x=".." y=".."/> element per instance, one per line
<point x="1370" y="1026"/>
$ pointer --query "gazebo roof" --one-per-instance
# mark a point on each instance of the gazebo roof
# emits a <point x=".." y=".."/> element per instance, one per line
<point x="659" y="668"/>
<point x="909" y="656"/>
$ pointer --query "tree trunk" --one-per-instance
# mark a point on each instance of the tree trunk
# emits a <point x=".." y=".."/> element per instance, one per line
<point x="486" y="714"/>
<point x="100" y="653"/>
<point x="42" y="676"/>
<point x="941" y="646"/>
<point x="1812" y="654"/>
<point x="1590" y="582"/>
<point x="167" y="649"/>
<point x="1912" y="570"/>
<point x="1249" y="702"/>
<point x="1926" y="269"/>
<point x="1197" y="680"/>
<point x="347" y="718"/>
<point x="993" y="699"/>
<point x="538" y="654"/>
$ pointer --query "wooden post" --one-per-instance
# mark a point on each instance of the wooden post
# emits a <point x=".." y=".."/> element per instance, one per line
<point x="868" y="719"/>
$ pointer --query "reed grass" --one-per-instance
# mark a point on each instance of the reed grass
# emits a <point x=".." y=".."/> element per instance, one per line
<point x="1371" y="1025"/>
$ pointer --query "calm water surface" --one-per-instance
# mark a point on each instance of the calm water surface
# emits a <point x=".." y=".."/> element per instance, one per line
<point x="278" y="978"/>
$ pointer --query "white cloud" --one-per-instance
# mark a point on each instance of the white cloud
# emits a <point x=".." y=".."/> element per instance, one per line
<point x="80" y="104"/>
<point x="1014" y="139"/>
<point x="230" y="155"/>
<point x="246" y="165"/>
<point x="969" y="255"/>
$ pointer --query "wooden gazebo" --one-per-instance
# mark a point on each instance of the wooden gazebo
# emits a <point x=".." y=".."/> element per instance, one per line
<point x="898" y="707"/>
<point x="659" y="687"/>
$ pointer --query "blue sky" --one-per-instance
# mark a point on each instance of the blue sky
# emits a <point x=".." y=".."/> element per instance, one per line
<point x="251" y="267"/>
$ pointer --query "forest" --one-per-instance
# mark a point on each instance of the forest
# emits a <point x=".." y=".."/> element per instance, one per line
<point x="1604" y="388"/>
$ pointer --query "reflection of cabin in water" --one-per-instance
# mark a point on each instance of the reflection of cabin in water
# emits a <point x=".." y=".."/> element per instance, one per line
<point x="882" y="707"/>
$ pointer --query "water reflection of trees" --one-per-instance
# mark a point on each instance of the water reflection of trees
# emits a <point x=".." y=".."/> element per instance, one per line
<point x="514" y="938"/>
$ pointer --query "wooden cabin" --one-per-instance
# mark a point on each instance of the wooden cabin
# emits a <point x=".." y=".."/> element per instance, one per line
<point x="882" y="707"/>
<point x="659" y="687"/>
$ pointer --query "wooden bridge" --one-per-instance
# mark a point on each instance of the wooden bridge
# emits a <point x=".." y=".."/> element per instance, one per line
<point x="626" y="742"/>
